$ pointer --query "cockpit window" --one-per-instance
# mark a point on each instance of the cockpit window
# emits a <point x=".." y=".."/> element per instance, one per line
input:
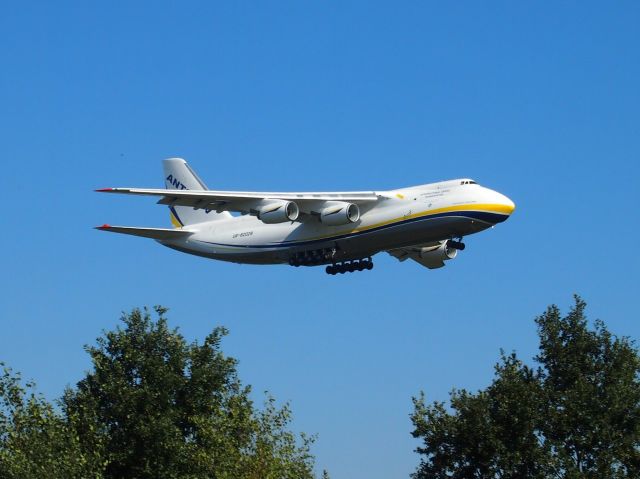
<point x="468" y="182"/>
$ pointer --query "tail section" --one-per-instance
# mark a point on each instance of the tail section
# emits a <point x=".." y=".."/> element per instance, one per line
<point x="179" y="176"/>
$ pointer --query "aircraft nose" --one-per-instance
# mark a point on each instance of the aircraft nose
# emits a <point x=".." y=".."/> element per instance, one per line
<point x="506" y="204"/>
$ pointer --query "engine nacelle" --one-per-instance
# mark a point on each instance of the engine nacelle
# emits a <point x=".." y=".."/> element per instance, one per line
<point x="434" y="256"/>
<point x="336" y="213"/>
<point x="278" y="211"/>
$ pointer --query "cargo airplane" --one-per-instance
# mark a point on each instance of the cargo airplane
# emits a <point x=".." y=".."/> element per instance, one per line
<point x="342" y="230"/>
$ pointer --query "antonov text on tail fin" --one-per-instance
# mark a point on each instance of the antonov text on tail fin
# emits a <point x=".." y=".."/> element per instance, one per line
<point x="342" y="230"/>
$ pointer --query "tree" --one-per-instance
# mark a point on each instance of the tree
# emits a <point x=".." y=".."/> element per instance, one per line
<point x="577" y="414"/>
<point x="153" y="405"/>
<point x="591" y="404"/>
<point x="35" y="439"/>
<point x="157" y="406"/>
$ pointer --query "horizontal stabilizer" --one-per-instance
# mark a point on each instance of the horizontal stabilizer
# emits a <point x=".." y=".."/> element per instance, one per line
<point x="154" y="233"/>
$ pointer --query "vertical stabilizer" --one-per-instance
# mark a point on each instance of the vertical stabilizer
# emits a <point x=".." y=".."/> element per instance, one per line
<point x="179" y="176"/>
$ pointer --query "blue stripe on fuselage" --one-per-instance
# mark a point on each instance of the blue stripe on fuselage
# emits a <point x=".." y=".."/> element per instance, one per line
<point x="484" y="216"/>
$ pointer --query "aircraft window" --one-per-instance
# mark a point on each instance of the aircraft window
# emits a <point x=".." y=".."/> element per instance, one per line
<point x="468" y="182"/>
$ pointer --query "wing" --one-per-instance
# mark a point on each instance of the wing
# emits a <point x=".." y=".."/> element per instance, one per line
<point x="246" y="201"/>
<point x="154" y="233"/>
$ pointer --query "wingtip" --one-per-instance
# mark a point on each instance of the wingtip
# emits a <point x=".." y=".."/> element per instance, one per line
<point x="104" y="190"/>
<point x="102" y="227"/>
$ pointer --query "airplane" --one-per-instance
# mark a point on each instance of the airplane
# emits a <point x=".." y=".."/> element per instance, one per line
<point x="342" y="230"/>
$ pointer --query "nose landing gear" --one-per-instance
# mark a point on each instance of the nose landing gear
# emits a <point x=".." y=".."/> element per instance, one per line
<point x="350" y="267"/>
<point x="459" y="245"/>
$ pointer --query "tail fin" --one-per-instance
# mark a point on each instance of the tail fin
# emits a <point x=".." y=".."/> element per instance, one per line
<point x="179" y="176"/>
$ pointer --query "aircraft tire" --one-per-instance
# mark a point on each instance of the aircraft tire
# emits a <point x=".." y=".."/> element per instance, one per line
<point x="369" y="265"/>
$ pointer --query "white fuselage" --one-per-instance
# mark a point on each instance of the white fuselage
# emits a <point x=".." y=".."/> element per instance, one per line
<point x="404" y="217"/>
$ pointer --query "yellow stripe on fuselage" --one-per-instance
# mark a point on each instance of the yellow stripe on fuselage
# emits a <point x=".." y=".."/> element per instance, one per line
<point x="492" y="208"/>
<point x="489" y="207"/>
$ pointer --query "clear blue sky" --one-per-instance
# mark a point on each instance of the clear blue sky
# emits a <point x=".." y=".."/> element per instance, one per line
<point x="539" y="100"/>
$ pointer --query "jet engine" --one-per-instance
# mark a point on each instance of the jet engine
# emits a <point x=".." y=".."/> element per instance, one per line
<point x="278" y="211"/>
<point x="434" y="256"/>
<point x="336" y="213"/>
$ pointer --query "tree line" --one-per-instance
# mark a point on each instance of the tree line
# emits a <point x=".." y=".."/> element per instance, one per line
<point x="154" y="405"/>
<point x="574" y="413"/>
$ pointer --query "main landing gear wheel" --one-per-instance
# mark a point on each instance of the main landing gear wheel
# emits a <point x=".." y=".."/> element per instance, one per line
<point x="312" y="257"/>
<point x="350" y="267"/>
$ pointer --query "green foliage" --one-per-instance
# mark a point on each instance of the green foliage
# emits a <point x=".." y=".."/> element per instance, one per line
<point x="35" y="440"/>
<point x="576" y="416"/>
<point x="153" y="405"/>
<point x="591" y="404"/>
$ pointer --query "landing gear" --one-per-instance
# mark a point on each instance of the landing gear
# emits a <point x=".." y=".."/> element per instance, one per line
<point x="350" y="267"/>
<point x="459" y="245"/>
<point x="329" y="255"/>
<point x="312" y="257"/>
